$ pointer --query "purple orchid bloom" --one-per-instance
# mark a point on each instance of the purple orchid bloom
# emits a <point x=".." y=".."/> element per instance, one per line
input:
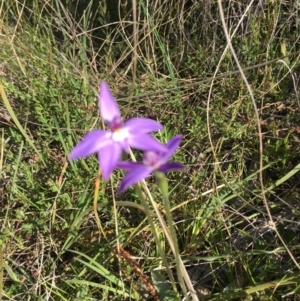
<point x="120" y="136"/>
<point x="152" y="161"/>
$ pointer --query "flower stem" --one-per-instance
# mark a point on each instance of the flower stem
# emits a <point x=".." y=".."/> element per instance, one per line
<point x="156" y="236"/>
<point x="171" y="243"/>
<point x="163" y="186"/>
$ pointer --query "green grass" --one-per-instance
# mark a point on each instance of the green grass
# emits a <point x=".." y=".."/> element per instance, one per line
<point x="52" y="59"/>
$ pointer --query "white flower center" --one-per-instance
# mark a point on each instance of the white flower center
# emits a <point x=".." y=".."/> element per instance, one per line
<point x="120" y="135"/>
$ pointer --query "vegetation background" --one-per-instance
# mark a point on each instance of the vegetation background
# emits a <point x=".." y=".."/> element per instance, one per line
<point x="236" y="207"/>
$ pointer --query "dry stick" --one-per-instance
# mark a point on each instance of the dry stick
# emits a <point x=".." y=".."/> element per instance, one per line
<point x="117" y="231"/>
<point x="134" y="43"/>
<point x="210" y="92"/>
<point x="59" y="185"/>
<point x="95" y="203"/>
<point x="273" y="225"/>
<point x="137" y="270"/>
<point x="293" y="78"/>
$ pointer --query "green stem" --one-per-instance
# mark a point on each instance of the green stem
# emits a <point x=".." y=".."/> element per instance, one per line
<point x="170" y="240"/>
<point x="156" y="237"/>
<point x="163" y="186"/>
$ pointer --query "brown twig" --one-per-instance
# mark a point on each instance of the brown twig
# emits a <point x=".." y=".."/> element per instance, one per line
<point x="138" y="272"/>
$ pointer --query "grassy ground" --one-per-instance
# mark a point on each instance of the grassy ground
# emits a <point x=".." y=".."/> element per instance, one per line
<point x="235" y="208"/>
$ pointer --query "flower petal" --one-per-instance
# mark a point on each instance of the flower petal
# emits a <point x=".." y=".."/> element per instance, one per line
<point x="109" y="108"/>
<point x="125" y="145"/>
<point x="138" y="126"/>
<point x="135" y="175"/>
<point x="170" y="166"/>
<point x="128" y="165"/>
<point x="146" y="142"/>
<point x="90" y="144"/>
<point x="108" y="159"/>
<point x="172" y="145"/>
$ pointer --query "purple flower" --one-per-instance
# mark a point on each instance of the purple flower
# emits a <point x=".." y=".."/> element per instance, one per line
<point x="120" y="136"/>
<point x="152" y="161"/>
